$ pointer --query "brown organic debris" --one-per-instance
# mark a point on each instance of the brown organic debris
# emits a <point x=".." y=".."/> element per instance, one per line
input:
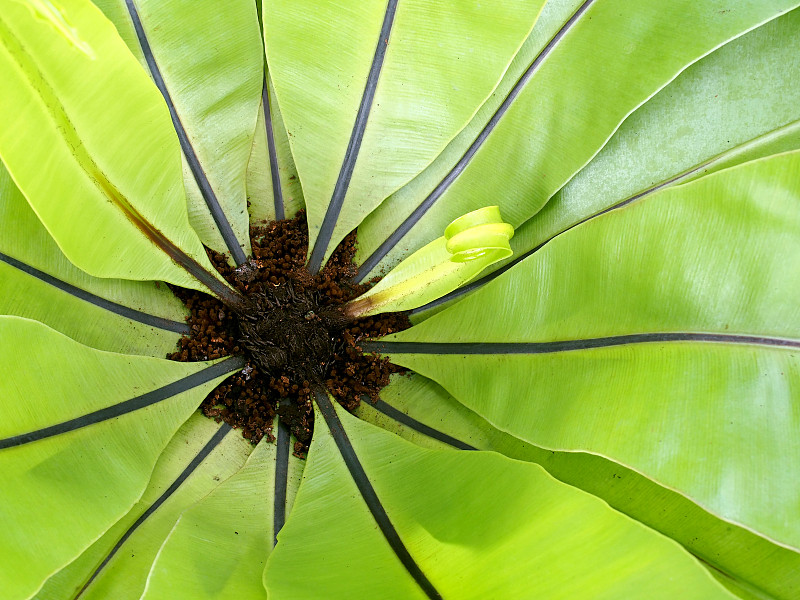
<point x="292" y="333"/>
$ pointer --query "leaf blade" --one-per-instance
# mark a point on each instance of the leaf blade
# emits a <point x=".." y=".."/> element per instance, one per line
<point x="55" y="461"/>
<point x="700" y="281"/>
<point x="459" y="538"/>
<point x="58" y="107"/>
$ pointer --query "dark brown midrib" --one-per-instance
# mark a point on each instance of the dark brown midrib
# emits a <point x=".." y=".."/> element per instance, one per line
<point x="206" y="190"/>
<point x="369" y="495"/>
<point x="470" y="348"/>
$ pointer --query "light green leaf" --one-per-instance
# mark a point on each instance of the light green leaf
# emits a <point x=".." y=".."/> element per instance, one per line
<point x="749" y="564"/>
<point x="196" y="460"/>
<point x="610" y="60"/>
<point x="28" y="255"/>
<point x="77" y="119"/>
<point x="737" y="104"/>
<point x="462" y="532"/>
<point x="716" y="257"/>
<point x="218" y="547"/>
<point x="210" y="58"/>
<point x="441" y="63"/>
<point x="260" y="192"/>
<point x="80" y="434"/>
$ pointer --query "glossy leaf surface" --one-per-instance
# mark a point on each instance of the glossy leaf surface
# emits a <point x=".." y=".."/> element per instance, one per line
<point x="648" y="358"/>
<point x="64" y="485"/>
<point x="677" y="408"/>
<point x="61" y="101"/>
<point x="461" y="531"/>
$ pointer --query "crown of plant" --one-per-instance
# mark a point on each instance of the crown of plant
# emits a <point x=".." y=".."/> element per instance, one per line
<point x="483" y="299"/>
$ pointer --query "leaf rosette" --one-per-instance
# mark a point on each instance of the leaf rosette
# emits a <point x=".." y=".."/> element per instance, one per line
<point x="604" y="397"/>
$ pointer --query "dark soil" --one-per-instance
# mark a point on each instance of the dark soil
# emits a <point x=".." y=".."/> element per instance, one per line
<point x="292" y="333"/>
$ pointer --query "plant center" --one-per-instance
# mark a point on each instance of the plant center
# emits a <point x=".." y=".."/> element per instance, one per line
<point x="286" y="329"/>
<point x="292" y="334"/>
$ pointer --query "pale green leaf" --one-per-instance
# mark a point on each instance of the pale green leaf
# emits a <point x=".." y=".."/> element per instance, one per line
<point x="210" y="58"/>
<point x="260" y="192"/>
<point x="522" y="536"/>
<point x="611" y="59"/>
<point x="441" y="63"/>
<point x="88" y="140"/>
<point x="716" y="257"/>
<point x="218" y="547"/>
<point x="739" y="103"/>
<point x="61" y="488"/>
<point x="26" y="244"/>
<point x="196" y="460"/>
<point x="749" y="564"/>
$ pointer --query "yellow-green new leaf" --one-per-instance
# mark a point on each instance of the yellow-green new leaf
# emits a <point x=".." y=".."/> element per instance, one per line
<point x="469" y="245"/>
<point x="604" y="60"/>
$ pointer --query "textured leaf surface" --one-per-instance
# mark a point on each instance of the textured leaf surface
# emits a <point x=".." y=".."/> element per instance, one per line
<point x="80" y="115"/>
<point x="441" y="63"/>
<point x="219" y="547"/>
<point x="718" y="256"/>
<point x="25" y="243"/>
<point x="462" y="531"/>
<point x="604" y="64"/>
<point x="740" y="103"/>
<point x="199" y="456"/>
<point x="210" y="58"/>
<point x="751" y="565"/>
<point x="60" y="491"/>
<point x="737" y="104"/>
<point x="260" y="190"/>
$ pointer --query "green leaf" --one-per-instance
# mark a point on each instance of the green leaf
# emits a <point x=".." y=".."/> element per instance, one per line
<point x="461" y="532"/>
<point x="605" y="63"/>
<point x="39" y="283"/>
<point x="421" y="411"/>
<point x="197" y="458"/>
<point x="68" y="120"/>
<point x="260" y="190"/>
<point x="218" y="547"/>
<point x="735" y="105"/>
<point x="80" y="434"/>
<point x="439" y="67"/>
<point x="663" y="336"/>
<point x="211" y="64"/>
